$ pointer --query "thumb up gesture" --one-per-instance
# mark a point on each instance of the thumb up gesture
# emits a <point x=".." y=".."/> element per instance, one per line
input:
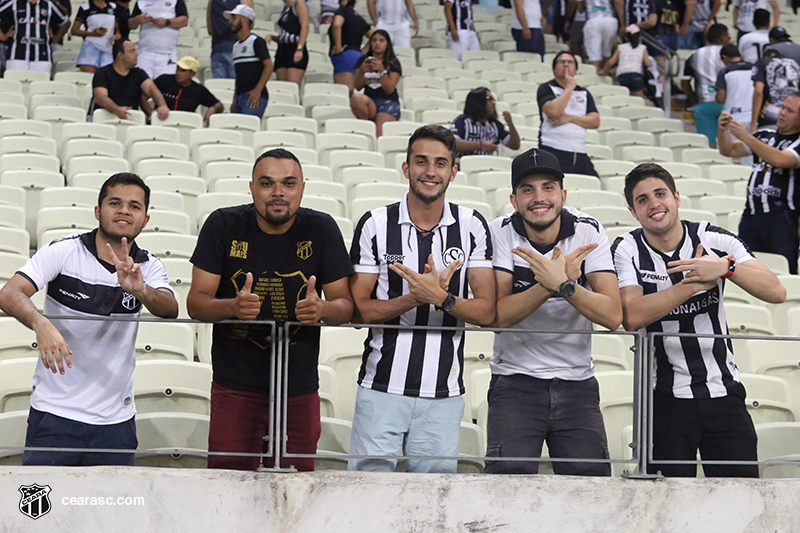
<point x="246" y="304"/>
<point x="309" y="309"/>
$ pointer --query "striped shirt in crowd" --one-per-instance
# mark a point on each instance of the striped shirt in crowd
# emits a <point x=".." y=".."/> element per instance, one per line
<point x="466" y="129"/>
<point x="420" y="363"/>
<point x="773" y="189"/>
<point x="31" y="41"/>
<point x="462" y="14"/>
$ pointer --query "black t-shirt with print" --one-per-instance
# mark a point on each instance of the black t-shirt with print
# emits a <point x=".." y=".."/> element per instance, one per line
<point x="372" y="80"/>
<point x="184" y="98"/>
<point x="230" y="245"/>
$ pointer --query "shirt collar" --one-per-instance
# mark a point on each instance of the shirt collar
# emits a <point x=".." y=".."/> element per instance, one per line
<point x="405" y="218"/>
<point x="566" y="230"/>
<point x="88" y="240"/>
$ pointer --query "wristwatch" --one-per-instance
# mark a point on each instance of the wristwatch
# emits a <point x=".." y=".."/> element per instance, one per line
<point x="566" y="289"/>
<point x="731" y="268"/>
<point x="167" y="22"/>
<point x="449" y="303"/>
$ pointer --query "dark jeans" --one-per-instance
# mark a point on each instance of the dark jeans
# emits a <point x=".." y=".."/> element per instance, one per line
<point x="573" y="162"/>
<point x="534" y="45"/>
<point x="46" y="430"/>
<point x="525" y="411"/>
<point x="774" y="232"/>
<point x="721" y="428"/>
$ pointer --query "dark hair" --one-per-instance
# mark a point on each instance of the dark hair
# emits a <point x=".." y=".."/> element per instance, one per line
<point x="561" y="53"/>
<point x="730" y="50"/>
<point x="433" y="132"/>
<point x="716" y="32"/>
<point x="475" y="103"/>
<point x="124" y="178"/>
<point x="388" y="54"/>
<point x="119" y="47"/>
<point x="633" y="38"/>
<point x="641" y="173"/>
<point x="761" y="18"/>
<point x="278" y="153"/>
<point x="347" y="3"/>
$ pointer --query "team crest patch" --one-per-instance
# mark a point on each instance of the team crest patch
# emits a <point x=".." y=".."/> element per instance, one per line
<point x="304" y="250"/>
<point x="451" y="255"/>
<point x="128" y="301"/>
<point x="34" y="501"/>
<point x="239" y="249"/>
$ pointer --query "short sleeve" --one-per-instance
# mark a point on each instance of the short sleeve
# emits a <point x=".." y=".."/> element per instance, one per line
<point x="727" y="243"/>
<point x="100" y="78"/>
<point x="161" y="82"/>
<point x="651" y="7"/>
<point x="688" y="68"/>
<point x="81" y="16"/>
<point x="481" y="253"/>
<point x="502" y="134"/>
<point x="394" y="66"/>
<point x="590" y="105"/>
<point x="362" y="26"/>
<point x="363" y="250"/>
<point x="180" y="9"/>
<point x="502" y="258"/>
<point x="458" y="127"/>
<point x="58" y="16"/>
<point x="210" y="248"/>
<point x="544" y="95"/>
<point x="7" y="9"/>
<point x="623" y="261"/>
<point x="721" y="85"/>
<point x="360" y="62"/>
<point x="207" y="98"/>
<point x="156" y="276"/>
<point x="47" y="263"/>
<point x="141" y="76"/>
<point x="335" y="260"/>
<point x="260" y="49"/>
<point x="136" y="11"/>
<point x="599" y="259"/>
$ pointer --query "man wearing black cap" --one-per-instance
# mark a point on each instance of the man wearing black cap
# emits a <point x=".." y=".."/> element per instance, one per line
<point x="777" y="75"/>
<point x="554" y="272"/>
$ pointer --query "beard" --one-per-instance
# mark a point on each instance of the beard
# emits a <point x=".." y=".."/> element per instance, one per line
<point x="541" y="225"/>
<point x="111" y="236"/>
<point x="428" y="199"/>
<point x="274" y="220"/>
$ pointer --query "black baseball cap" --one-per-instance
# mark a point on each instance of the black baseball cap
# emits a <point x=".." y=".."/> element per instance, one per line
<point x="778" y="32"/>
<point x="535" y="161"/>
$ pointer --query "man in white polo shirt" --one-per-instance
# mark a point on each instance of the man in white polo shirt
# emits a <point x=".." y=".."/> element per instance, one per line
<point x="393" y="16"/>
<point x="83" y="384"/>
<point x="554" y="272"/>
<point x="160" y="22"/>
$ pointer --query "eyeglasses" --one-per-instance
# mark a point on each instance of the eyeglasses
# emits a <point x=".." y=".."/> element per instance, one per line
<point x="490" y="99"/>
<point x="564" y="62"/>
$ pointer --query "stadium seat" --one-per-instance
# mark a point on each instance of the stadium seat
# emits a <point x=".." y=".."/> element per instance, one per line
<point x="775" y="262"/>
<point x="165" y="220"/>
<point x="779" y="441"/>
<point x="616" y="101"/>
<point x="178" y="433"/>
<point x="730" y="174"/>
<point x="14" y="240"/>
<point x="10" y="263"/>
<point x="246" y="124"/>
<point x="169" y="200"/>
<point x="29" y="162"/>
<point x="283" y="111"/>
<point x="16" y="376"/>
<point x="331" y="206"/>
<point x="639" y="115"/>
<point x="617" y="139"/>
<point x="135" y="117"/>
<point x="768" y="399"/>
<point x="68" y="196"/>
<point x="682" y="170"/>
<point x="704" y="157"/>
<point x="720" y="205"/>
<point x="600" y="91"/>
<point x="213" y="136"/>
<point x="359" y="206"/>
<point x="610" y="216"/>
<point x="158" y="151"/>
<point x="26" y="128"/>
<point x="612" y="167"/>
<point x="323" y="113"/>
<point x="209" y="202"/>
<point x="12" y="216"/>
<point x="13" y="427"/>
<point x="584" y="198"/>
<point x="32" y="181"/>
<point x="699" y="187"/>
<point x="167" y="245"/>
<point x="172" y="386"/>
<point x="352" y="176"/>
<point x="678" y="142"/>
<point x="327" y="142"/>
<point x="599" y="151"/>
<point x="418" y="105"/>
<point x="227" y="169"/>
<point x="342" y="159"/>
<point x="334" y="440"/>
<point x="645" y="154"/>
<point x="184" y="121"/>
<point x="57" y="117"/>
<point x="265" y="140"/>
<point x="23" y="144"/>
<point x="325" y="189"/>
<point x="317" y="172"/>
<point x="166" y="167"/>
<point x="616" y="404"/>
<point x="188" y="187"/>
<point x="471" y="165"/>
<point x="780" y="311"/>
<point x="442" y="117"/>
<point x="207" y="154"/>
<point x="307" y="126"/>
<point x="13" y="111"/>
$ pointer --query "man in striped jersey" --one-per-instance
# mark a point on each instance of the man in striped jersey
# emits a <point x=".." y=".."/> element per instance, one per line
<point x="554" y="272"/>
<point x="414" y="262"/>
<point x="671" y="277"/>
<point x="30" y="47"/>
<point x="461" y="34"/>
<point x="770" y="219"/>
<point x="477" y="130"/>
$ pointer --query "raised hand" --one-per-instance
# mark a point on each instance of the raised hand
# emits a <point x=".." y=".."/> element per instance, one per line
<point x="551" y="273"/>
<point x="309" y="310"/>
<point x="425" y="287"/>
<point x="575" y="259"/>
<point x="53" y="348"/>
<point x="129" y="274"/>
<point x="704" y="270"/>
<point x="246" y="304"/>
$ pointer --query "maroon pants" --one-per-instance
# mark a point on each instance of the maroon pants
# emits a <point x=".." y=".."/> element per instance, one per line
<point x="240" y="420"/>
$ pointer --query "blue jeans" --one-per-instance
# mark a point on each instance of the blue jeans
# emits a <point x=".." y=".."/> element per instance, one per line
<point x="774" y="232"/>
<point x="525" y="411"/>
<point x="386" y="424"/>
<point x="222" y="63"/>
<point x="240" y="105"/>
<point x="534" y="45"/>
<point x="46" y="430"/>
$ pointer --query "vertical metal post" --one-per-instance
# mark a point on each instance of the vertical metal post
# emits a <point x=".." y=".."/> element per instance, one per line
<point x="275" y="399"/>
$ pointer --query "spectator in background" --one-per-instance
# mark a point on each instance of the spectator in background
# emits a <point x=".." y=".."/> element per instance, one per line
<point x="291" y="59"/>
<point x="65" y="6"/>
<point x="752" y="44"/>
<point x="415" y="261"/>
<point x="119" y="87"/>
<point x="477" y="130"/>
<point x="31" y="41"/>
<point x="567" y="111"/>
<point x="267" y="260"/>
<point x="526" y="26"/>
<point x="328" y="10"/>
<point x="159" y="22"/>
<point x="554" y="271"/>
<point x="393" y="17"/>
<point x="705" y="13"/>
<point x="703" y="66"/>
<point x="461" y="34"/>
<point x="123" y="15"/>
<point x="252" y="62"/>
<point x="575" y="21"/>
<point x="632" y="56"/>
<point x="770" y="219"/>
<point x="671" y="277"/>
<point x="222" y="37"/>
<point x="377" y="72"/>
<point x="88" y="402"/>
<point x="182" y="93"/>
<point x="6" y="36"/>
<point x="639" y="12"/>
<point x="345" y="34"/>
<point x="745" y="9"/>
<point x="600" y="30"/>
<point x="99" y="18"/>
<point x="735" y="88"/>
<point x="665" y="30"/>
<point x="776" y="75"/>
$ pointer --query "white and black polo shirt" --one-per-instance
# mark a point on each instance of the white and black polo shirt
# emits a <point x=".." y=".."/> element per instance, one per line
<point x="773" y="189"/>
<point x="735" y="80"/>
<point x="98" y="389"/>
<point x="548" y="355"/>
<point x="686" y="367"/>
<point x="426" y="364"/>
<point x="152" y="38"/>
<point x="248" y="62"/>
<point x="493" y="131"/>
<point x="567" y="137"/>
<point x="31" y="41"/>
<point x="93" y="17"/>
<point x="703" y="65"/>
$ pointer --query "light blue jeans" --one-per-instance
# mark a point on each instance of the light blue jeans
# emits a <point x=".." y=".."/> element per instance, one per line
<point x="387" y="424"/>
<point x="240" y="105"/>
<point x="222" y="63"/>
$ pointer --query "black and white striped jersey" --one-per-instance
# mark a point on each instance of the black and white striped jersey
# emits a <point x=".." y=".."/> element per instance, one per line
<point x="493" y="131"/>
<point x="98" y="389"/>
<point x="773" y="189"/>
<point x="462" y="14"/>
<point x="686" y="367"/>
<point x="426" y="364"/>
<point x="31" y="41"/>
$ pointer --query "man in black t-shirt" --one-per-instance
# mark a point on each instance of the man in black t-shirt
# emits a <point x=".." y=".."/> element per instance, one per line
<point x="267" y="261"/>
<point x="252" y="64"/>
<point x="182" y="93"/>
<point x="119" y="87"/>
